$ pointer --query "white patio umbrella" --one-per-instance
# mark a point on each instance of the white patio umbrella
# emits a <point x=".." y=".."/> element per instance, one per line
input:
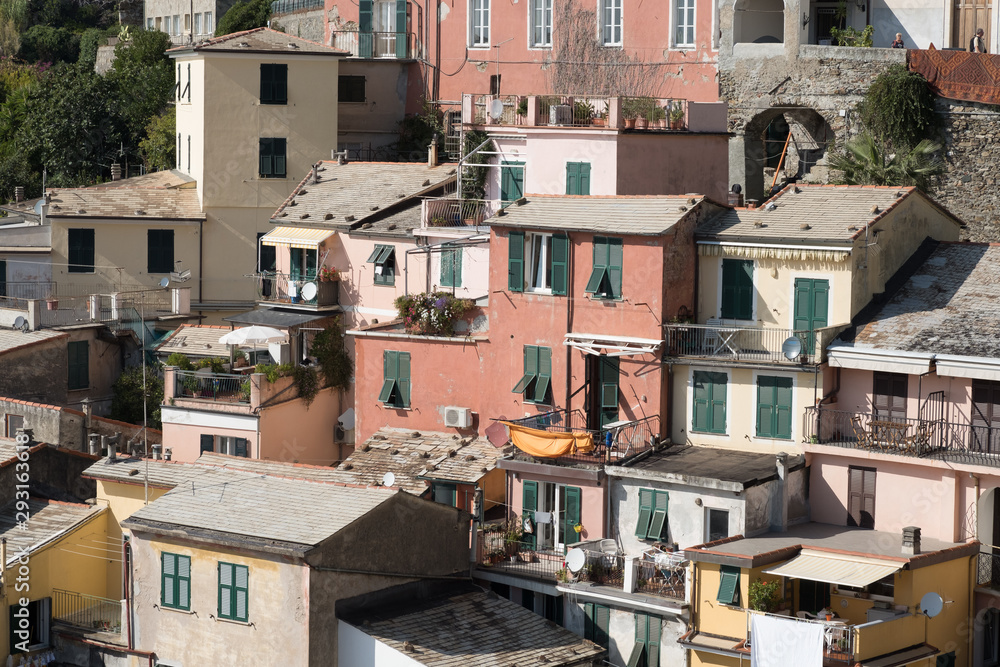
<point x="253" y="335"/>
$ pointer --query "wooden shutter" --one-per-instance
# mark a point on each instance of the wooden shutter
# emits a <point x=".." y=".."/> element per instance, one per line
<point x="242" y="590"/>
<point x="765" y="407"/>
<point x="602" y="619"/>
<point x="584" y="178"/>
<point x="266" y="84"/>
<point x="529" y="505"/>
<point x="653" y="630"/>
<point x="281" y="84"/>
<point x="207" y="443"/>
<point x="544" y="377"/>
<point x="783" y="408"/>
<point x="160" y="250"/>
<point x="402" y="50"/>
<point x="600" y="270"/>
<point x="403" y="379"/>
<point x="366" y="43"/>
<point x="861" y="497"/>
<point x="278" y="159"/>
<point x="729" y="585"/>
<point x="81" y="247"/>
<point x="658" y="523"/>
<point x="225" y="590"/>
<point x="560" y="264"/>
<point x="702" y="402"/>
<point x="515" y="261"/>
<point x="609" y="389"/>
<point x="168" y="577"/>
<point x="183" y="582"/>
<point x="889" y="395"/>
<point x="717" y="407"/>
<point x="737" y="289"/>
<point x="78" y="364"/>
<point x="615" y="267"/>
<point x="639" y="649"/>
<point x="530" y="354"/>
<point x="572" y="496"/>
<point x="511" y="181"/>
<point x="572" y="178"/>
<point x="645" y="513"/>
<point x="241" y="447"/>
<point x="390" y="361"/>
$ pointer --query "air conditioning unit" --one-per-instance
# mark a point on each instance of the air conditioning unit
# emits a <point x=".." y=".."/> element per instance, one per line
<point x="343" y="436"/>
<point x="560" y="114"/>
<point x="457" y="417"/>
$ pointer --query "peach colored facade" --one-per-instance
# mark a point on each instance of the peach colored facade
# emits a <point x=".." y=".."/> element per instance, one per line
<point x="593" y="504"/>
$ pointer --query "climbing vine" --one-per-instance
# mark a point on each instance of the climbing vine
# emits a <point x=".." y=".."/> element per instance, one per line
<point x="474" y="178"/>
<point x="898" y="109"/>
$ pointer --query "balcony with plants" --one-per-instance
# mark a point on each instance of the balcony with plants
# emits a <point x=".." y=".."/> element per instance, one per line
<point x="593" y="112"/>
<point x="313" y="289"/>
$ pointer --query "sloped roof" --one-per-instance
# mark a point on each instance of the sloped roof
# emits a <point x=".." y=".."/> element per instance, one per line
<point x="12" y="339"/>
<point x="161" y="474"/>
<point x="259" y="40"/>
<point x="683" y="463"/>
<point x="811" y="214"/>
<point x="138" y="203"/>
<point x="364" y="191"/>
<point x="950" y="305"/>
<point x="49" y="520"/>
<point x="170" y="178"/>
<point x="636" y="215"/>
<point x="274" y="468"/>
<point x="197" y="340"/>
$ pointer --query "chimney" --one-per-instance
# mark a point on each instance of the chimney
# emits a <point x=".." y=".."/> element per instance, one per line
<point x="112" y="452"/>
<point x="95" y="444"/>
<point x="315" y="173"/>
<point x="911" y="541"/>
<point x="779" y="495"/>
<point x="19" y="193"/>
<point x="168" y="453"/>
<point x="156" y="452"/>
<point x="751" y="203"/>
<point x="341" y="157"/>
<point x="432" y="152"/>
<point x="116" y="172"/>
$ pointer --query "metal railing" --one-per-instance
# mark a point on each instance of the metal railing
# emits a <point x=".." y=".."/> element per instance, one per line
<point x="289" y="6"/>
<point x="90" y="612"/>
<point x="838" y="640"/>
<point x="288" y="289"/>
<point x="603" y="568"/>
<point x="612" y="446"/>
<point x="220" y="387"/>
<point x="374" y="44"/>
<point x="519" y="557"/>
<point x="455" y="212"/>
<point x="31" y="289"/>
<point x="665" y="577"/>
<point x="747" y="343"/>
<point x="989" y="570"/>
<point x="622" y="113"/>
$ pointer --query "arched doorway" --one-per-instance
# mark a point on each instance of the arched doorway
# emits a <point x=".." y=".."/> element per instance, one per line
<point x="808" y="136"/>
<point x="758" y="22"/>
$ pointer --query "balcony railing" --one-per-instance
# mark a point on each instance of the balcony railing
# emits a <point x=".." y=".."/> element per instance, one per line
<point x="218" y="387"/>
<point x="89" y="612"/>
<point x="455" y="212"/>
<point x="618" y="113"/>
<point x="736" y="342"/>
<point x="279" y="7"/>
<point x="665" y="576"/>
<point x="518" y="557"/>
<point x="905" y="436"/>
<point x="375" y="44"/>
<point x="612" y="446"/>
<point x="285" y="288"/>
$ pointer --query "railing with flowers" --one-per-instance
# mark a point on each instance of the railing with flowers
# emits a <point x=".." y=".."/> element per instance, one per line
<point x="431" y="313"/>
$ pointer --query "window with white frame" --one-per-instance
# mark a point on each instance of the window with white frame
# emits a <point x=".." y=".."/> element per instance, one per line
<point x="539" y="269"/>
<point x="541" y="23"/>
<point x="479" y="23"/>
<point x="176" y="28"/>
<point x="197" y="24"/>
<point x="611" y="22"/>
<point x="149" y="23"/>
<point x="208" y="23"/>
<point x="683" y="22"/>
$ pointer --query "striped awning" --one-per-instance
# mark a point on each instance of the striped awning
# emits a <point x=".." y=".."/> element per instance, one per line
<point x="611" y="346"/>
<point x="296" y="237"/>
<point x="830" y="568"/>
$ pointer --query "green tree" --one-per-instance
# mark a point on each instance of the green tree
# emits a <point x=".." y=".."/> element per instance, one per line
<point x="140" y="80"/>
<point x="89" y="41"/>
<point x="244" y="15"/>
<point x="331" y="354"/>
<point x="43" y="43"/>
<point x="898" y="109"/>
<point x="866" y="162"/>
<point x="127" y="396"/>
<point x="158" y="147"/>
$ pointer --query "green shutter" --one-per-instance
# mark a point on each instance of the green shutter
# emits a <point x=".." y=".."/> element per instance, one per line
<point x="241" y="447"/>
<point x="401" y="35"/>
<point x="241" y="608"/>
<point x="812" y="302"/>
<point x="81" y="250"/>
<point x="278" y="160"/>
<point x="588" y="624"/>
<point x="609" y="375"/>
<point x="265" y="157"/>
<point x="544" y="374"/>
<point x="602" y="620"/>
<point x="281" y="84"/>
<point x="511" y="181"/>
<point x="729" y="585"/>
<point x="765" y="407"/>
<point x="774" y="407"/>
<point x="225" y="590"/>
<point x="266" y="84"/>
<point x="645" y="513"/>
<point x="638" y="651"/>
<point x="529" y="505"/>
<point x="207" y="443"/>
<point x="572" y="497"/>
<point x="709" y="402"/>
<point x="615" y="267"/>
<point x="658" y="524"/>
<point x="702" y="399"/>
<point x="366" y="43"/>
<point x="783" y="408"/>
<point x="584" y="178"/>
<point x="78" y="364"/>
<point x="168" y="576"/>
<point x="653" y="630"/>
<point x="600" y="270"/>
<point x="159" y="250"/>
<point x="403" y="380"/>
<point x="390" y="360"/>
<point x="578" y="178"/>
<point x="530" y="370"/>
<point x="515" y="262"/>
<point x="451" y="267"/>
<point x="737" y="289"/>
<point x="560" y="263"/>
<point x="184" y="582"/>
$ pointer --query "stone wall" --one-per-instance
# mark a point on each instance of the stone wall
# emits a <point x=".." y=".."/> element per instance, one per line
<point x="306" y="24"/>
<point x="968" y="189"/>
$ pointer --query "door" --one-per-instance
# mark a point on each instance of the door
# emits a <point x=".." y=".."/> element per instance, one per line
<point x="861" y="497"/>
<point x="889" y="396"/>
<point x="602" y="380"/>
<point x="969" y="15"/>
<point x="385" y="29"/>
<point x="267" y="260"/>
<point x="813" y="595"/>
<point x="812" y="304"/>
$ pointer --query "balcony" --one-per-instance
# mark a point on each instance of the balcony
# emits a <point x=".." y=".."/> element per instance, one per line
<point x="726" y="343"/>
<point x="923" y="438"/>
<point x="219" y="387"/>
<point x="989" y="571"/>
<point x="87" y="612"/>
<point x="387" y="45"/>
<point x="454" y="213"/>
<point x="294" y="290"/>
<point x="582" y="111"/>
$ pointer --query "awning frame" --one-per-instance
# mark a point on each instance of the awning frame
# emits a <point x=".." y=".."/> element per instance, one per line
<point x="841" y="569"/>
<point x="296" y="237"/>
<point x="611" y="346"/>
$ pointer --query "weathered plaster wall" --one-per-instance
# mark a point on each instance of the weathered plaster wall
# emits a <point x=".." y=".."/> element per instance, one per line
<point x="305" y="24"/>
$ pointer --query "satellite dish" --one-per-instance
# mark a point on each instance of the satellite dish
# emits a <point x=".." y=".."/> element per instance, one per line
<point x="791" y="348"/>
<point x="388" y="479"/>
<point x="181" y="276"/>
<point x="575" y="559"/>
<point x="309" y="291"/>
<point x="164" y="282"/>
<point x="40" y="206"/>
<point x="21" y="323"/>
<point x="931" y="604"/>
<point x="496" y="109"/>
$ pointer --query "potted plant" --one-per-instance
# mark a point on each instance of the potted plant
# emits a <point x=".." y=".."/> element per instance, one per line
<point x="583" y="111"/>
<point x="764" y="595"/>
<point x="676" y="115"/>
<point x="631" y="107"/>
<point x="522" y="110"/>
<point x="438" y="221"/>
<point x="658" y="116"/>
<point x="601" y="119"/>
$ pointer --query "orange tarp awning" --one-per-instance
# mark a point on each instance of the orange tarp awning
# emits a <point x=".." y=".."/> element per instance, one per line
<point x="549" y="444"/>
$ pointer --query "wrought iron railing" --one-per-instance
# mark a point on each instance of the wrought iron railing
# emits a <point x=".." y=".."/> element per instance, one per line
<point x="612" y="446"/>
<point x="665" y="576"/>
<point x="989" y="570"/>
<point x="622" y="113"/>
<point x="31" y="289"/>
<point x="291" y="289"/>
<point x="455" y="212"/>
<point x="520" y="557"/>
<point x="373" y="44"/>
<point x="748" y="343"/>
<point x="212" y="386"/>
<point x="90" y="612"/>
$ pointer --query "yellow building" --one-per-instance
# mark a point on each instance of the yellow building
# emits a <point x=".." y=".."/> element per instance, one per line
<point x="840" y="596"/>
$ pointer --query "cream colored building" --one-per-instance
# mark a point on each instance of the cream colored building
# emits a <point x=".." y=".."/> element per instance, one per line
<point x="775" y="287"/>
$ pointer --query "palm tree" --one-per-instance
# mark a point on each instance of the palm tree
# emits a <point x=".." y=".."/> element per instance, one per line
<point x="866" y="162"/>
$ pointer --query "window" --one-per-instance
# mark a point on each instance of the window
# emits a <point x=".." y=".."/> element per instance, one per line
<point x="608" y="375"/>
<point x="350" y="88"/>
<point x="578" y="178"/>
<point x="889" y="395"/>
<point x="78" y="353"/>
<point x="395" y="379"/>
<point x="861" y="497"/>
<point x="717" y="524"/>
<point x="272" y="158"/>
<point x="541" y="23"/>
<point x="729" y="585"/>
<point x="157" y="22"/>
<point x="709" y="413"/>
<point x="160" y="250"/>
<point x="446" y="494"/>
<point x="36" y="635"/>
<point x="812" y="303"/>
<point x="11" y="425"/>
<point x="207" y="444"/>
<point x="611" y="22"/>
<point x="595" y="624"/>
<point x="606" y="277"/>
<point x="556" y="509"/>
<point x="175" y="584"/>
<point x="528" y="599"/>
<point x="548" y="256"/>
<point x="234" y="586"/>
<point x="511" y="181"/>
<point x="150" y="25"/>
<point x="232" y="446"/>
<point x="646" y="652"/>
<point x="684" y="23"/>
<point x="986" y="415"/>
<point x="209" y="28"/>
<point x="177" y="24"/>
<point x="652" y="523"/>
<point x="535" y="382"/>
<point x="187" y="22"/>
<point x="273" y="84"/>
<point x="197" y="24"/>
<point x="81" y="250"/>
<point x="553" y="608"/>
<point x="384" y="259"/>
<point x="479" y="23"/>
<point x="451" y="267"/>
<point x="774" y="407"/>
<point x="737" y="289"/>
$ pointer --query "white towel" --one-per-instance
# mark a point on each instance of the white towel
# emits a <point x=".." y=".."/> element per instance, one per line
<point x="779" y="642"/>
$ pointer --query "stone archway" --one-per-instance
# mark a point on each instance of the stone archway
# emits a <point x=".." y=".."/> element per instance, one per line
<point x="811" y="135"/>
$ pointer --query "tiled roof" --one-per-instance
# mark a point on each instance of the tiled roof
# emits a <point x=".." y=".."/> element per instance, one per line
<point x="950" y="305"/>
<point x="171" y="178"/>
<point x="48" y="520"/>
<point x="275" y="317"/>
<point x="269" y="508"/>
<point x="139" y="203"/>
<point x="401" y="223"/>
<point x="11" y="339"/>
<point x="807" y="214"/>
<point x="643" y="216"/>
<point x="162" y="474"/>
<point x="273" y="468"/>
<point x="361" y="190"/>
<point x="196" y="340"/>
<point x="468" y="627"/>
<point x="413" y="455"/>
<point x="259" y="40"/>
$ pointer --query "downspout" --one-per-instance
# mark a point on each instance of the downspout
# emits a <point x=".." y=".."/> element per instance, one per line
<point x="126" y="589"/>
<point x="569" y="325"/>
<point x="201" y="255"/>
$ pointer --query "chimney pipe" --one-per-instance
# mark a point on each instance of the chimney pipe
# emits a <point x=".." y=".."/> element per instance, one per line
<point x="112" y="452"/>
<point x="911" y="541"/>
<point x="95" y="444"/>
<point x="104" y="445"/>
<point x="156" y="452"/>
<point x="432" y="152"/>
<point x="116" y="172"/>
<point x="19" y="193"/>
<point x="168" y="453"/>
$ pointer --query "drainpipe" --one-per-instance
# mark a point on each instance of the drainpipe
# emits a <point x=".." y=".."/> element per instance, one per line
<point x="126" y="589"/>
<point x="975" y="511"/>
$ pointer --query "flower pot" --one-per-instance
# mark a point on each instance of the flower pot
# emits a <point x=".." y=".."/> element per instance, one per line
<point x="52" y="304"/>
<point x="600" y="122"/>
<point x="677" y="125"/>
<point x="629" y="123"/>
<point x="641" y="123"/>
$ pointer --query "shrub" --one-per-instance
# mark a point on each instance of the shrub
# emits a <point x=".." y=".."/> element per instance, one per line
<point x="433" y="313"/>
<point x="179" y="360"/>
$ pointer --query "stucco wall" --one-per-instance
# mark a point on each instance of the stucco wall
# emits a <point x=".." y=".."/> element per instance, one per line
<point x="593" y="499"/>
<point x="36" y="373"/>
<point x="183" y="428"/>
<point x="374" y="122"/>
<point x="362" y="300"/>
<point x="294" y="432"/>
<point x="122" y="501"/>
<point x="354" y="647"/>
<point x="307" y="24"/>
<point x="662" y="164"/>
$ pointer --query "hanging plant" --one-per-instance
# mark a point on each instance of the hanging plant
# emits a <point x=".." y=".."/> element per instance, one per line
<point x="433" y="313"/>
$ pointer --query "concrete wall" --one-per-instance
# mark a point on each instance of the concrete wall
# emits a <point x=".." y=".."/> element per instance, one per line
<point x="361" y="299"/>
<point x="663" y="165"/>
<point x="292" y="431"/>
<point x="354" y="647"/>
<point x="54" y="471"/>
<point x="36" y="372"/>
<point x="374" y="122"/>
<point x="307" y="24"/>
<point x="593" y="499"/>
<point x="621" y="631"/>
